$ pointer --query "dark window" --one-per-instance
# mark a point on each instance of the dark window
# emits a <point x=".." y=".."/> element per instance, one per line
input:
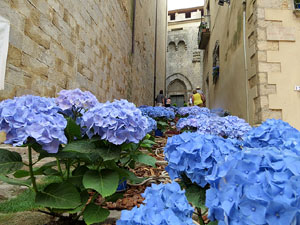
<point x="181" y="46"/>
<point x="216" y="55"/>
<point x="297" y="4"/>
<point x="216" y="63"/>
<point x="171" y="46"/>
<point x="172" y="16"/>
<point x="188" y="15"/>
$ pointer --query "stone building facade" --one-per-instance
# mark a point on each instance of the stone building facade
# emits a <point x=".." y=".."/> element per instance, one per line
<point x="106" y="47"/>
<point x="184" y="59"/>
<point x="256" y="46"/>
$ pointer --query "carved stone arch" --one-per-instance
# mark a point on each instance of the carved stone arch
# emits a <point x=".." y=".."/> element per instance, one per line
<point x="171" y="46"/>
<point x="177" y="86"/>
<point x="181" y="45"/>
<point x="181" y="77"/>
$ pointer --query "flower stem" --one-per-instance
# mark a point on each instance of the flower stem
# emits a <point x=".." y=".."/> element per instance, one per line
<point x="90" y="200"/>
<point x="200" y="217"/>
<point x="32" y="177"/>
<point x="68" y="168"/>
<point x="59" y="169"/>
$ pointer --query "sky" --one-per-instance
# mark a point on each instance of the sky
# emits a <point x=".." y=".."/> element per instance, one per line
<point x="179" y="4"/>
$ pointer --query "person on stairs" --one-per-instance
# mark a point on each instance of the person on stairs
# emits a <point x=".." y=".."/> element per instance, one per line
<point x="160" y="99"/>
<point x="168" y="102"/>
<point x="197" y="100"/>
<point x="198" y="89"/>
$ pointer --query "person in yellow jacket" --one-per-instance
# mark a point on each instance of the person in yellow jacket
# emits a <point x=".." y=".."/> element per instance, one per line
<point x="197" y="100"/>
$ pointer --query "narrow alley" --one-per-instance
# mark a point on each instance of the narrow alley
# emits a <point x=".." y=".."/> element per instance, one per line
<point x="149" y="112"/>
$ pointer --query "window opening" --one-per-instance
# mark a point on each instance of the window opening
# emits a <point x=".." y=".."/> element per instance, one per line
<point x="216" y="63"/>
<point x="172" y="16"/>
<point x="188" y="15"/>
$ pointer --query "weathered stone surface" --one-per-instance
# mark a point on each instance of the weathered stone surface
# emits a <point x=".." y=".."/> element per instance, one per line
<point x="268" y="45"/>
<point x="277" y="33"/>
<point x="59" y="44"/>
<point x="184" y="59"/>
<point x="269" y="67"/>
<point x="24" y="218"/>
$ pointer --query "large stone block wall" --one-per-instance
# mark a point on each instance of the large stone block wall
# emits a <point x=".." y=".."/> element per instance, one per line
<point x="278" y="64"/>
<point x="161" y="59"/>
<point x="66" y="44"/>
<point x="272" y="54"/>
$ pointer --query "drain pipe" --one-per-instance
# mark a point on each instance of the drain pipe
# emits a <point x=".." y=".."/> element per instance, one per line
<point x="133" y="26"/>
<point x="245" y="60"/>
<point x="166" y="41"/>
<point x="155" y="56"/>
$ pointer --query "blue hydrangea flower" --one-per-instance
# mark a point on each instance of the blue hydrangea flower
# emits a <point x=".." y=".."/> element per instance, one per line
<point x="175" y="109"/>
<point x="256" y="186"/>
<point x="228" y="127"/>
<point x="195" y="155"/>
<point x="276" y="133"/>
<point x="235" y="127"/>
<point x="192" y="122"/>
<point x="76" y="99"/>
<point x="117" y="122"/>
<point x="33" y="117"/>
<point x="164" y="204"/>
<point x="192" y="110"/>
<point x="158" y="112"/>
<point x="172" y="109"/>
<point x="152" y="124"/>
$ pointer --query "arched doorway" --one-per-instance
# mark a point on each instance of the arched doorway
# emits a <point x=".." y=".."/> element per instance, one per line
<point x="179" y="88"/>
<point x="177" y="91"/>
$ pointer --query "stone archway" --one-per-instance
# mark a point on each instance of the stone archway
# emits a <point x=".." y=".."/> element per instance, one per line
<point x="178" y="88"/>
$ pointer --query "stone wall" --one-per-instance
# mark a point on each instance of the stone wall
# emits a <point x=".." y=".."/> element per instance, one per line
<point x="278" y="37"/>
<point x="226" y="33"/>
<point x="66" y="44"/>
<point x="263" y="86"/>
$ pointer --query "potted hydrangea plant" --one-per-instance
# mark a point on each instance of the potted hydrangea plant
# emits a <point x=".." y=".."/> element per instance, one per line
<point x="162" y="116"/>
<point x="92" y="145"/>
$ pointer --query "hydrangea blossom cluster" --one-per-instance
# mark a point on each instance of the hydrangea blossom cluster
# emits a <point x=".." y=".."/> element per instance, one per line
<point x="158" y="112"/>
<point x="165" y="204"/>
<point x="33" y="117"/>
<point x="195" y="155"/>
<point x="193" y="110"/>
<point x="276" y="133"/>
<point x="152" y="124"/>
<point x="76" y="99"/>
<point x="117" y="122"/>
<point x="229" y="127"/>
<point x="175" y="109"/>
<point x="172" y="109"/>
<point x="235" y="127"/>
<point x="192" y="122"/>
<point x="256" y="186"/>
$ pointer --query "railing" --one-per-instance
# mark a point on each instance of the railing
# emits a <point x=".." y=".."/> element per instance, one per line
<point x="205" y="21"/>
